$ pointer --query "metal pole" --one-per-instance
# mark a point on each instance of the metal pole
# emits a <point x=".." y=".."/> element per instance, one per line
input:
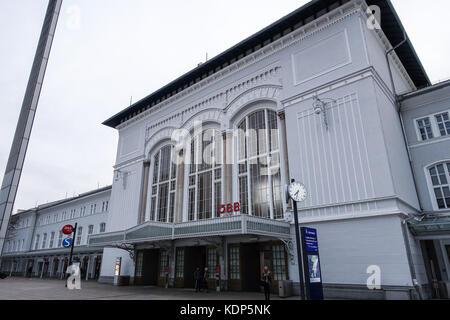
<point x="73" y="243"/>
<point x="22" y="135"/>
<point x="299" y="251"/>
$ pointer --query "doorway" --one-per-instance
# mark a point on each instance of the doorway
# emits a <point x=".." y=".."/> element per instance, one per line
<point x="193" y="257"/>
<point x="251" y="268"/>
<point x="146" y="273"/>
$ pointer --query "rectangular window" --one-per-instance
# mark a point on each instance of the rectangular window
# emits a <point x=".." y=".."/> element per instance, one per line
<point x="172" y="207"/>
<point x="52" y="240"/>
<point x="279" y="263"/>
<point x="139" y="262"/>
<point x="234" y="264"/>
<point x="162" y="202"/>
<point x="425" y="129"/>
<point x="443" y="123"/>
<point x="243" y="194"/>
<point x="163" y="262"/>
<point x="217" y="197"/>
<point x="79" y="235"/>
<point x="44" y="241"/>
<point x="212" y="262"/>
<point x="179" y="268"/>
<point x="153" y="209"/>
<point x="60" y="239"/>
<point x="204" y="199"/>
<point x="191" y="204"/>
<point x="91" y="229"/>
<point x="440" y="177"/>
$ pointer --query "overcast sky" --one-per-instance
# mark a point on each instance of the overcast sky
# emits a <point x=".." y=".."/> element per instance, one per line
<point x="106" y="51"/>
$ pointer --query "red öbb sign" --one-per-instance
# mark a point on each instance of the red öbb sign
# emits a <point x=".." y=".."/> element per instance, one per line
<point x="67" y="229"/>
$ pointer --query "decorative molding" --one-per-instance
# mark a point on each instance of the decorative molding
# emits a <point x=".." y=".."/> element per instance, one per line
<point x="258" y="93"/>
<point x="269" y="76"/>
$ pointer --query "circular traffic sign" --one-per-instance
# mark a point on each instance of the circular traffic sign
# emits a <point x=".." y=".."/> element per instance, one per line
<point x="67" y="242"/>
<point x="67" y="229"/>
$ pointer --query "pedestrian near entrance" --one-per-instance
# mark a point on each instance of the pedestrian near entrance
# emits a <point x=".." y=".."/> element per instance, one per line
<point x="205" y="280"/>
<point x="266" y="279"/>
<point x="197" y="279"/>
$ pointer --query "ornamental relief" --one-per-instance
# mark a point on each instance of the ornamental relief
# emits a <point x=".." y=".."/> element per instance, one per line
<point x="264" y="84"/>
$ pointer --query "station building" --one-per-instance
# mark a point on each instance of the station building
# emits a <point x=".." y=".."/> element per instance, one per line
<point x="34" y="241"/>
<point x="348" y="102"/>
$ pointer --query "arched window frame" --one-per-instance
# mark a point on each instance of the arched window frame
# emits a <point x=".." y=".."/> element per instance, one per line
<point x="156" y="186"/>
<point x="239" y="175"/>
<point x="194" y="172"/>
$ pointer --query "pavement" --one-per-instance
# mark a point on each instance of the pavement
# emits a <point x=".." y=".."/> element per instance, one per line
<point x="50" y="289"/>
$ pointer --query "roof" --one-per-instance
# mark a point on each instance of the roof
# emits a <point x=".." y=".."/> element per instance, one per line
<point x="390" y="23"/>
<point x="59" y="202"/>
<point x="434" y="87"/>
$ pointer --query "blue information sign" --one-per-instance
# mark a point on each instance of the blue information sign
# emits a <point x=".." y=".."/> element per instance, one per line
<point x="311" y="261"/>
<point x="67" y="242"/>
<point x="311" y="243"/>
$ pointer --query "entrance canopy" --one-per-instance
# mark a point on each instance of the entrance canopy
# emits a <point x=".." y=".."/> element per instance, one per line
<point x="431" y="227"/>
<point x="156" y="231"/>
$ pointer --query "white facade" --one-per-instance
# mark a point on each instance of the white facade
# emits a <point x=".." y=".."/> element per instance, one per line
<point x="352" y="157"/>
<point x="360" y="186"/>
<point x="35" y="238"/>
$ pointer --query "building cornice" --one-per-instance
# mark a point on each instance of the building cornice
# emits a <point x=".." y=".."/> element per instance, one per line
<point x="308" y="30"/>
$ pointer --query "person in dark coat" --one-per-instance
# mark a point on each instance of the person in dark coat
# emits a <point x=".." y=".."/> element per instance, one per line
<point x="205" y="280"/>
<point x="266" y="279"/>
<point x="197" y="279"/>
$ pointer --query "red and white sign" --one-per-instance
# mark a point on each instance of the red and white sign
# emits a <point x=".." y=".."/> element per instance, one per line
<point x="229" y="208"/>
<point x="67" y="229"/>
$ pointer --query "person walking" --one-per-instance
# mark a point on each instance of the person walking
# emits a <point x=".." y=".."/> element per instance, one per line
<point x="197" y="279"/>
<point x="205" y="280"/>
<point x="266" y="279"/>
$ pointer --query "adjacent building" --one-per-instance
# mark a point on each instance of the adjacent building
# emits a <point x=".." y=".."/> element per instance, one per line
<point x="320" y="96"/>
<point x="34" y="242"/>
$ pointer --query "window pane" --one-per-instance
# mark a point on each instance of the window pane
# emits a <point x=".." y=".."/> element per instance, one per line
<point x="243" y="195"/>
<point x="234" y="263"/>
<point x="259" y="186"/>
<point x="165" y="163"/>
<point x="217" y="197"/>
<point x="276" y="195"/>
<point x="212" y="262"/>
<point x="162" y="202"/>
<point x="191" y="204"/>
<point x="273" y="130"/>
<point x="279" y="263"/>
<point x="179" y="268"/>
<point x="172" y="207"/>
<point x="204" y="199"/>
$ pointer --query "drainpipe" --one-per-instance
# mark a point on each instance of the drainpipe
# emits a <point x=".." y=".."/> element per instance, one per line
<point x="404" y="221"/>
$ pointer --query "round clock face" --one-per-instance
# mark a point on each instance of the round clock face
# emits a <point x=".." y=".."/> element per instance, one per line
<point x="297" y="191"/>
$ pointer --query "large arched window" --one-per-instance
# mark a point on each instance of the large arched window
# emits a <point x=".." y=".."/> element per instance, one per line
<point x="258" y="155"/>
<point x="205" y="175"/>
<point x="162" y="207"/>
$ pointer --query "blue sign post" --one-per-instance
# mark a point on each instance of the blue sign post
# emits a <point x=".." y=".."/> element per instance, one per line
<point x="67" y="242"/>
<point x="311" y="261"/>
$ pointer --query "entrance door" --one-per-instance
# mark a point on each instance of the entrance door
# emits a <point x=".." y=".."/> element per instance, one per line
<point x="193" y="257"/>
<point x="147" y="267"/>
<point x="250" y="267"/>
<point x="179" y="268"/>
<point x="234" y="267"/>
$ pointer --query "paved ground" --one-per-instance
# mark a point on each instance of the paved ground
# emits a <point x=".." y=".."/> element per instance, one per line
<point x="37" y="289"/>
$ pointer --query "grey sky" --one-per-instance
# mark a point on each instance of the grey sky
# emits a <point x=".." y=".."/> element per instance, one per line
<point x="106" y="51"/>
